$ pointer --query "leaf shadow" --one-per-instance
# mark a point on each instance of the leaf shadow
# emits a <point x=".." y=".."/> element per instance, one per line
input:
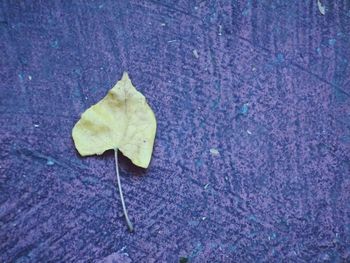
<point x="125" y="165"/>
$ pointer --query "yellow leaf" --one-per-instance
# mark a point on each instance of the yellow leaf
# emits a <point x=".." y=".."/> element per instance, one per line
<point x="122" y="120"/>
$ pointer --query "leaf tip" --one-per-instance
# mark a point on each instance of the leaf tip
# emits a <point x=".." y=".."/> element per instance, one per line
<point x="125" y="75"/>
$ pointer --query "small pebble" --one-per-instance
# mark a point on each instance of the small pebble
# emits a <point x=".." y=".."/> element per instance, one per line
<point x="214" y="152"/>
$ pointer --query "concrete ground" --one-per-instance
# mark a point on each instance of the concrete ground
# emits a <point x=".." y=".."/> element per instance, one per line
<point x="251" y="161"/>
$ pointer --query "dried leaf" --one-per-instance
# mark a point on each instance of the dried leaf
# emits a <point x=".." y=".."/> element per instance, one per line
<point x="122" y="120"/>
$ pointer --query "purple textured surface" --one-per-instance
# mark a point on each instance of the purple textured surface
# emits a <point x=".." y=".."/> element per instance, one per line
<point x="265" y="83"/>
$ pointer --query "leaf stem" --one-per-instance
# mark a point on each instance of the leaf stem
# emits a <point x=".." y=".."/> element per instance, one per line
<point x="131" y="228"/>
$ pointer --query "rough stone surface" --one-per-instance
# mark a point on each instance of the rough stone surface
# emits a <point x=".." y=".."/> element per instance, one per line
<point x="267" y="90"/>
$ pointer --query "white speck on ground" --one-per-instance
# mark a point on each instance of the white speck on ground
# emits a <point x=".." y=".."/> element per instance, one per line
<point x="116" y="257"/>
<point x="220" y="30"/>
<point x="50" y="162"/>
<point x="206" y="186"/>
<point x="249" y="132"/>
<point x="204" y="217"/>
<point x="195" y="53"/>
<point x="36" y="125"/>
<point x="214" y="152"/>
<point x="162" y="24"/>
<point x="30" y="77"/>
<point x="245" y="108"/>
<point x="321" y="7"/>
